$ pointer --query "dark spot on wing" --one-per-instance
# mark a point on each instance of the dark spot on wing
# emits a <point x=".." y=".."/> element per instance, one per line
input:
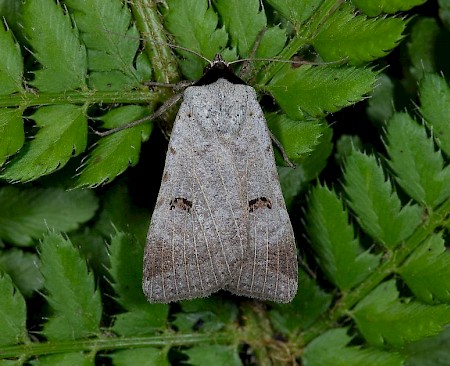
<point x="259" y="202"/>
<point x="172" y="150"/>
<point x="165" y="177"/>
<point x="181" y="203"/>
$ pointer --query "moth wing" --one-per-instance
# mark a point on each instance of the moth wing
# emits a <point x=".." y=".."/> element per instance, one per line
<point x="196" y="238"/>
<point x="269" y="269"/>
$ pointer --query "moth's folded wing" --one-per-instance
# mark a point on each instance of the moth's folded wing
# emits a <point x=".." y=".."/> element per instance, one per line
<point x="269" y="271"/>
<point x="197" y="235"/>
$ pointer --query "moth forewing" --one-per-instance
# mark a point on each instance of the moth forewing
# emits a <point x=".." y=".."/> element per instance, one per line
<point x="220" y="221"/>
<point x="269" y="270"/>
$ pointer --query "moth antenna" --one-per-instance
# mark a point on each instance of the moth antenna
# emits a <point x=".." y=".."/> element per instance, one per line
<point x="171" y="45"/>
<point x="174" y="46"/>
<point x="302" y="62"/>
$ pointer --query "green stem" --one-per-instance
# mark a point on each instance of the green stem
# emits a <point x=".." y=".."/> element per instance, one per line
<point x="96" y="344"/>
<point x="26" y="100"/>
<point x="157" y="47"/>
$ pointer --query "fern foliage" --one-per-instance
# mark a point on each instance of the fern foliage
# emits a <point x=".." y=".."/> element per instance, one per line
<point x="370" y="210"/>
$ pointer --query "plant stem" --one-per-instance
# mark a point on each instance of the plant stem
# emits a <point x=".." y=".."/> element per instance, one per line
<point x="27" y="100"/>
<point x="113" y="343"/>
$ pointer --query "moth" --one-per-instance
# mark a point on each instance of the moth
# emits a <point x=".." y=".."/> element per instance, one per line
<point x="220" y="220"/>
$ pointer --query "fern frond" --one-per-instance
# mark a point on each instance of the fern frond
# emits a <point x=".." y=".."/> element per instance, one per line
<point x="194" y="26"/>
<point x="76" y="304"/>
<point x="333" y="348"/>
<point x="316" y="91"/>
<point x="140" y="356"/>
<point x="56" y="46"/>
<point x="374" y="8"/>
<point x="11" y="64"/>
<point x="115" y="153"/>
<point x="434" y="96"/>
<point x="13" y="313"/>
<point x="333" y="239"/>
<point x="112" y="41"/>
<point x="304" y="310"/>
<point x="126" y="273"/>
<point x="295" y="11"/>
<point x="11" y="130"/>
<point x="66" y="127"/>
<point x="346" y="35"/>
<point x="419" y="168"/>
<point x="383" y="318"/>
<point x="376" y="205"/>
<point x="427" y="271"/>
<point x="23" y="268"/>
<point x="299" y="138"/>
<point x="27" y="214"/>
<point x="214" y="355"/>
<point x="421" y="47"/>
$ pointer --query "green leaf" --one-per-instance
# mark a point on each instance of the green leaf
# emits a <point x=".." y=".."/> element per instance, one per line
<point x="118" y="213"/>
<point x="376" y="205"/>
<point x="23" y="269"/>
<point x="126" y="271"/>
<point x="75" y="302"/>
<point x="295" y="11"/>
<point x="213" y="313"/>
<point x="13" y="313"/>
<point x="115" y="153"/>
<point x="293" y="181"/>
<point x="11" y="130"/>
<point x="333" y="239"/>
<point x="427" y="271"/>
<point x="11" y="63"/>
<point x="272" y="42"/>
<point x="382" y="317"/>
<point x="213" y="355"/>
<point x="307" y="306"/>
<point x="91" y="245"/>
<point x="346" y="35"/>
<point x="4" y="362"/>
<point x="381" y="104"/>
<point x="194" y="26"/>
<point x="332" y="348"/>
<point x="431" y="351"/>
<point x="374" y="8"/>
<point x="62" y="135"/>
<point x="434" y="106"/>
<point x="243" y="20"/>
<point x="421" y="47"/>
<point x="345" y="147"/>
<point x="65" y="359"/>
<point x="299" y="138"/>
<point x="142" y="322"/>
<point x="29" y="213"/>
<point x="140" y="356"/>
<point x="444" y="12"/>
<point x="307" y="144"/>
<point x="319" y="90"/>
<point x="419" y="168"/>
<point x="55" y="45"/>
<point x="111" y="40"/>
